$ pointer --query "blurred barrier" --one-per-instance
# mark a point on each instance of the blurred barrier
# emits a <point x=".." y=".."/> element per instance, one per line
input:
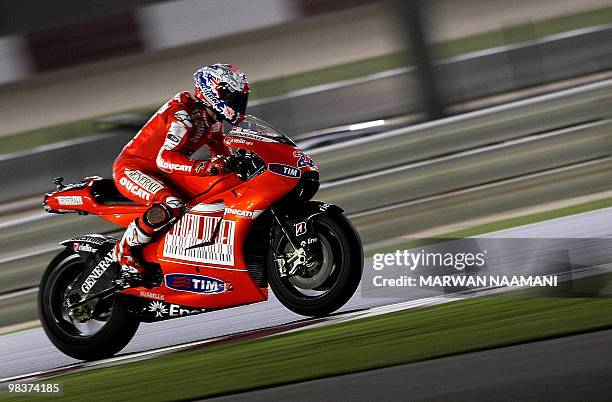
<point x="466" y="131"/>
<point x="29" y="247"/>
<point x="466" y="77"/>
<point x="487" y="199"/>
<point x="18" y="309"/>
<point x="512" y="156"/>
<point x="372" y="97"/>
<point x="472" y="168"/>
<point x="29" y="172"/>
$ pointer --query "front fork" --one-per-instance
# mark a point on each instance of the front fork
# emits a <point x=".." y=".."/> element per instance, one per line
<point x="304" y="242"/>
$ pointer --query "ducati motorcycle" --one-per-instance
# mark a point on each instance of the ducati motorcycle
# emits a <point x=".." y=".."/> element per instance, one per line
<point x="254" y="226"/>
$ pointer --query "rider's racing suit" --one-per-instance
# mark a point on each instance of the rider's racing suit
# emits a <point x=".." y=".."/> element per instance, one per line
<point x="144" y="170"/>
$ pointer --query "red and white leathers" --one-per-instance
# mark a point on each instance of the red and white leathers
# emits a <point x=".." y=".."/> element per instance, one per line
<point x="144" y="169"/>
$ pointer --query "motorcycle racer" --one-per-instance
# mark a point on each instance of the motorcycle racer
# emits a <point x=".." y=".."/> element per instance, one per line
<point x="144" y="170"/>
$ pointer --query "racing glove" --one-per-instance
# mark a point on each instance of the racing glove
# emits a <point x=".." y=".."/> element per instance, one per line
<point x="211" y="167"/>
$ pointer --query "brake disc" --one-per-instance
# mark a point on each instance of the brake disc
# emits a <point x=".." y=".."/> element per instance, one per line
<point x="317" y="274"/>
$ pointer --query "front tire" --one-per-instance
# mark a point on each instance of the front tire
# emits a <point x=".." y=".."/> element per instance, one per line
<point x="343" y="250"/>
<point x="110" y="331"/>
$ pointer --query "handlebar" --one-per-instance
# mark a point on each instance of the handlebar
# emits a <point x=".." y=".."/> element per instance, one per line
<point x="244" y="164"/>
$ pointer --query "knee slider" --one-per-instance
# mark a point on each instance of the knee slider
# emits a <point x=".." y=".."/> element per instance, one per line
<point x="158" y="216"/>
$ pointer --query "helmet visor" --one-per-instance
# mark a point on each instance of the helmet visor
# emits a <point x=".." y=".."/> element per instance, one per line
<point x="236" y="100"/>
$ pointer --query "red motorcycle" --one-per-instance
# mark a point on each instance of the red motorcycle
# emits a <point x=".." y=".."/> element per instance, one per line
<point x="253" y="226"/>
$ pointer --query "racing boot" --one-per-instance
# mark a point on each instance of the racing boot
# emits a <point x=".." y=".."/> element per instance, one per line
<point x="132" y="271"/>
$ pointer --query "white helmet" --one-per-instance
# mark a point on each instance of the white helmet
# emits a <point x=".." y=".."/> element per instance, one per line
<point x="223" y="88"/>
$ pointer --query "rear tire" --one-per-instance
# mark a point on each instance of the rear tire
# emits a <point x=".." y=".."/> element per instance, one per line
<point x="347" y="259"/>
<point x="117" y="328"/>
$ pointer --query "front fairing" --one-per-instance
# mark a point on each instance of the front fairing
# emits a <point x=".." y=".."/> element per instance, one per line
<point x="279" y="153"/>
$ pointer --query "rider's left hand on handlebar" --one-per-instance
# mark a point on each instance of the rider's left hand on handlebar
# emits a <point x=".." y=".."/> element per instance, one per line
<point x="212" y="167"/>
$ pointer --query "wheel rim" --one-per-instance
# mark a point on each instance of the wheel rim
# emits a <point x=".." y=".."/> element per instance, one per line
<point x="323" y="270"/>
<point x="71" y="267"/>
<point x="331" y="266"/>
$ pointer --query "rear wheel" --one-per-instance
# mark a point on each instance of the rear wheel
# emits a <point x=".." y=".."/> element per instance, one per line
<point x="106" y="333"/>
<point x="332" y="281"/>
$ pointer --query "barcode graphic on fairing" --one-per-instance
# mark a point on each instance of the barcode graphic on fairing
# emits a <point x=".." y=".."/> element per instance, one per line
<point x="195" y="229"/>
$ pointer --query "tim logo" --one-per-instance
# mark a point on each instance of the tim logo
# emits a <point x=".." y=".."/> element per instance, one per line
<point x="195" y="283"/>
<point x="300" y="228"/>
<point x="284" y="170"/>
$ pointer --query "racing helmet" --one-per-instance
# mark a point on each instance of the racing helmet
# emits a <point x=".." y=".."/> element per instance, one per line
<point x="223" y="88"/>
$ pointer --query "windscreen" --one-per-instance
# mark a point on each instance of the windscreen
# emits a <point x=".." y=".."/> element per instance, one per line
<point x="255" y="126"/>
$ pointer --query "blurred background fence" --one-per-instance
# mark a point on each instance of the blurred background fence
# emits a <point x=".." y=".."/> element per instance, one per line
<point x="65" y="61"/>
<point x="419" y="114"/>
<point x="316" y="64"/>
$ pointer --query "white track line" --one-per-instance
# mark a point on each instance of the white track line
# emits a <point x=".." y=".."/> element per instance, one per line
<point x="316" y="322"/>
<point x="462" y="154"/>
<point x="22" y="204"/>
<point x="57" y="145"/>
<point x="28" y="253"/>
<point x="38" y="215"/>
<point x="18" y="293"/>
<point x="475" y="188"/>
<point x="446" y="121"/>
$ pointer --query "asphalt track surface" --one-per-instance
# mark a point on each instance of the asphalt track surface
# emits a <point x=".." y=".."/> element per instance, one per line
<point x="574" y="368"/>
<point x="29" y="351"/>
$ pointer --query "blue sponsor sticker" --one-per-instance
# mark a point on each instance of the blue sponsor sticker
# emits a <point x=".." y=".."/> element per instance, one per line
<point x="284" y="170"/>
<point x="195" y="283"/>
<point x="304" y="160"/>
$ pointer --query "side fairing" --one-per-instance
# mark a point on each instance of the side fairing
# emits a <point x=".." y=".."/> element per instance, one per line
<point x="202" y="255"/>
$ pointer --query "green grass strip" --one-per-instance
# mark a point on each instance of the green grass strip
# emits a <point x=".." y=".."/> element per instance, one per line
<point x="522" y="32"/>
<point x="392" y="339"/>
<point x="48" y="135"/>
<point x="63" y="132"/>
<point x="533" y="218"/>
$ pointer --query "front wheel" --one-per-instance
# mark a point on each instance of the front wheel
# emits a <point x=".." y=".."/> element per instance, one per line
<point x="100" y="337"/>
<point x="334" y="279"/>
